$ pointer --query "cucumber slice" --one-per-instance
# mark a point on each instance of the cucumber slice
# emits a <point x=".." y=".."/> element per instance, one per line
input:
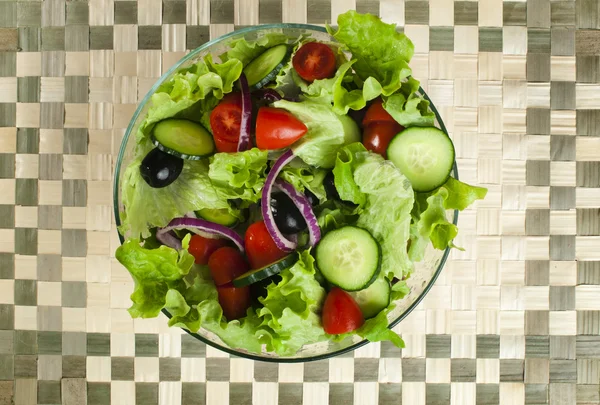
<point x="425" y="155"/>
<point x="218" y="216"/>
<point x="183" y="138"/>
<point x="254" y="276"/>
<point x="264" y="68"/>
<point x="349" y="257"/>
<point x="373" y="299"/>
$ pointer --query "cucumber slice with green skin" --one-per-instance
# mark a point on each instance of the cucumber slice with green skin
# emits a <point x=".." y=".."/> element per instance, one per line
<point x="266" y="66"/>
<point x="183" y="138"/>
<point x="218" y="216"/>
<point x="349" y="257"/>
<point x="254" y="276"/>
<point x="425" y="155"/>
<point x="373" y="299"/>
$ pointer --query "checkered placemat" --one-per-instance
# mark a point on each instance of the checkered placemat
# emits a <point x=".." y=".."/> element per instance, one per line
<point x="514" y="319"/>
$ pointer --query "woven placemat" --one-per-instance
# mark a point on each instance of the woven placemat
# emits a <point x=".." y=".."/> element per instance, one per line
<point x="514" y="319"/>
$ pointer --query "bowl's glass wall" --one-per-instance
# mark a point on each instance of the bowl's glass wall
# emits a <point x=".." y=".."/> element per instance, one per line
<point x="425" y="272"/>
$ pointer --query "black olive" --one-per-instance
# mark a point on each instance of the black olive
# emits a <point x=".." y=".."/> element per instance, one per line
<point x="288" y="218"/>
<point x="330" y="190"/>
<point x="159" y="169"/>
<point x="312" y="199"/>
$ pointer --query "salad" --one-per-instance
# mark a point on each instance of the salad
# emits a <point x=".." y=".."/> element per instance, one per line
<point x="281" y="195"/>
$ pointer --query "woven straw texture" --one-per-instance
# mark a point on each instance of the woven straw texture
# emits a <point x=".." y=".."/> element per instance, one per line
<point x="514" y="319"/>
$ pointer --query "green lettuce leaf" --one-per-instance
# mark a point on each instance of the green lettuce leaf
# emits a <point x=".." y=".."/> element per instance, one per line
<point x="409" y="108"/>
<point x="386" y="213"/>
<point x="303" y="176"/>
<point x="290" y="308"/>
<point x="347" y="160"/>
<point x="147" y="207"/>
<point x="461" y="195"/>
<point x="154" y="272"/>
<point x="245" y="51"/>
<point x="239" y="175"/>
<point x="430" y="223"/>
<point x="376" y="329"/>
<point x="385" y="198"/>
<point x="432" y="226"/>
<point x="327" y="132"/>
<point x="380" y="51"/>
<point x="200" y="86"/>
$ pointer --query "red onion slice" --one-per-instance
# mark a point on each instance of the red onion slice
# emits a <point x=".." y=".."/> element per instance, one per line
<point x="203" y="228"/>
<point x="244" y="141"/>
<point x="269" y="95"/>
<point x="265" y="204"/>
<point x="168" y="239"/>
<point x="305" y="208"/>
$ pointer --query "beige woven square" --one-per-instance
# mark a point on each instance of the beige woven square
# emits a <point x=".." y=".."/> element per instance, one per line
<point x="77" y="64"/>
<point x="73" y="319"/>
<point x="49" y="242"/>
<point x="28" y="115"/>
<point x="125" y="63"/>
<point x="49" y="293"/>
<point x="29" y="64"/>
<point x="76" y="115"/>
<point x="26" y="217"/>
<point x="26" y="166"/>
<point x="74" y="217"/>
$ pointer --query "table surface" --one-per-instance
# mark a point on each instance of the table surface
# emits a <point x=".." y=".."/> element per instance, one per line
<point x="514" y="319"/>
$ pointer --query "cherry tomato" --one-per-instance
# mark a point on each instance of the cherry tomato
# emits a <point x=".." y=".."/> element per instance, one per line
<point x="314" y="61"/>
<point x="378" y="135"/>
<point x="260" y="248"/>
<point x="376" y="113"/>
<point x="201" y="248"/>
<point x="225" y="264"/>
<point x="225" y="120"/>
<point x="234" y="301"/>
<point x="341" y="313"/>
<point x="223" y="145"/>
<point x="277" y="128"/>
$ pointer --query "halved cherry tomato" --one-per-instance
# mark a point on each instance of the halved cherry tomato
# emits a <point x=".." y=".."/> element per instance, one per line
<point x="376" y="113"/>
<point x="341" y="313"/>
<point x="225" y="264"/>
<point x="276" y="128"/>
<point x="225" y="122"/>
<point x="201" y="248"/>
<point x="378" y="135"/>
<point x="224" y="145"/>
<point x="260" y="248"/>
<point x="314" y="61"/>
<point x="234" y="301"/>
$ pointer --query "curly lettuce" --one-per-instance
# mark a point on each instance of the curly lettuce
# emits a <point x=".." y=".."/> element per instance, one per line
<point x="327" y="132"/>
<point x="146" y="207"/>
<point x="200" y="86"/>
<point x="239" y="175"/>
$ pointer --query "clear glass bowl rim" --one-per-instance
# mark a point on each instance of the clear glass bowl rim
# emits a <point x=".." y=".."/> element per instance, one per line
<point x="192" y="55"/>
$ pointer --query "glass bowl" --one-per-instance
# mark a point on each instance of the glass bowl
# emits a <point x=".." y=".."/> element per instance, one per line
<point x="420" y="282"/>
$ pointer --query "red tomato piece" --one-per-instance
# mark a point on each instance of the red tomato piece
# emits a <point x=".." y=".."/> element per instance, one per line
<point x="234" y="301"/>
<point x="314" y="61"/>
<point x="201" y="248"/>
<point x="225" y="120"/>
<point x="376" y="113"/>
<point x="341" y="313"/>
<point x="223" y="145"/>
<point x="276" y="128"/>
<point x="260" y="248"/>
<point x="378" y="135"/>
<point x="225" y="264"/>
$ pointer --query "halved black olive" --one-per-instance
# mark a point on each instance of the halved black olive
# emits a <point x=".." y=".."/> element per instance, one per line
<point x="330" y="190"/>
<point x="312" y="199"/>
<point x="159" y="169"/>
<point x="288" y="218"/>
